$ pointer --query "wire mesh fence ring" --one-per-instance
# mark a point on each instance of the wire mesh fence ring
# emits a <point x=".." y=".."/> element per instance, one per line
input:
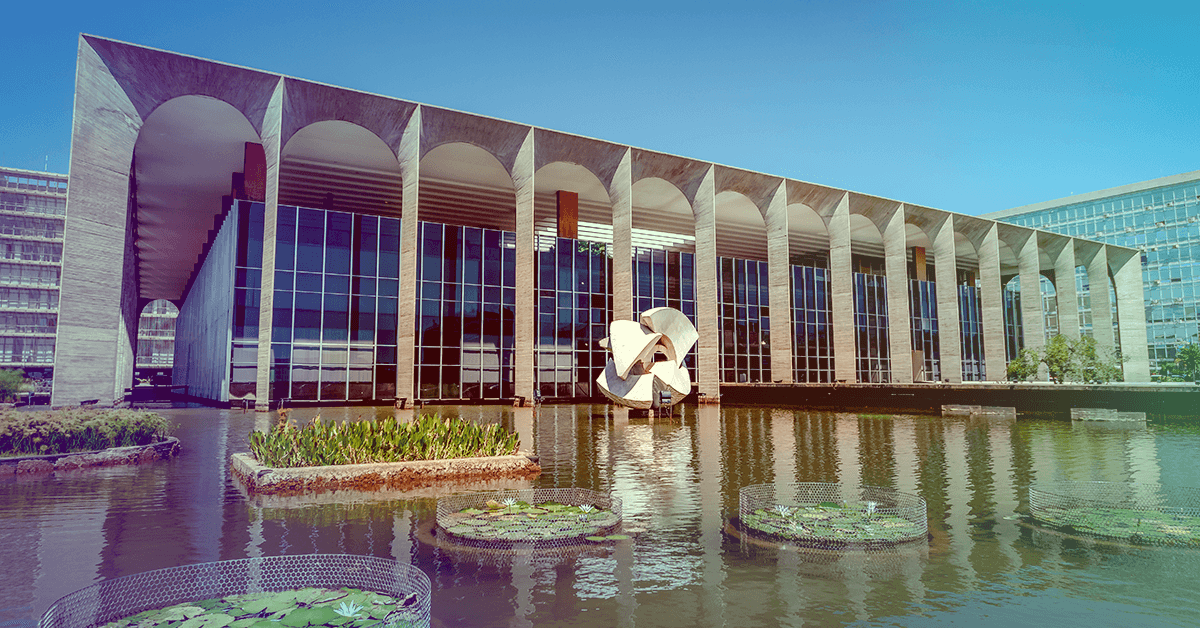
<point x="831" y="515"/>
<point x="1132" y="512"/>
<point x="530" y="518"/>
<point x="113" y="600"/>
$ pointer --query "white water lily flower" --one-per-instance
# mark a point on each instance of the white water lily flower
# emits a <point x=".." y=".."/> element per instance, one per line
<point x="351" y="610"/>
<point x="783" y="510"/>
<point x="509" y="501"/>
<point x="871" y="508"/>
<point x="587" y="508"/>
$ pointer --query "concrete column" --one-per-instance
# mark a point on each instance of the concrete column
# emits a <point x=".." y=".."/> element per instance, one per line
<point x="621" y="195"/>
<point x="272" y="148"/>
<point x="93" y="348"/>
<point x="946" y="279"/>
<point x="1031" y="297"/>
<point x="899" y="319"/>
<point x="1064" y="291"/>
<point x="409" y="156"/>
<point x="1131" y="314"/>
<point x="841" y="283"/>
<point x="992" y="307"/>
<point x="780" y="273"/>
<point x="707" y="287"/>
<point x="526" y="314"/>
<point x="1102" y="331"/>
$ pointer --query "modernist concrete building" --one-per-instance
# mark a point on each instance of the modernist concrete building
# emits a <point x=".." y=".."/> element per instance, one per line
<point x="1160" y="218"/>
<point x="32" y="208"/>
<point x="333" y="245"/>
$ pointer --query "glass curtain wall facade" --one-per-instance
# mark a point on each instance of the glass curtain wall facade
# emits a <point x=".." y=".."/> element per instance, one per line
<point x="466" y="316"/>
<point x="970" y="326"/>
<point x="922" y="306"/>
<point x="812" y="325"/>
<point x="574" y="309"/>
<point x="333" y="334"/>
<point x="744" y="322"/>
<point x="1014" y="339"/>
<point x="1162" y="218"/>
<point x="872" y="352"/>
<point x="663" y="278"/>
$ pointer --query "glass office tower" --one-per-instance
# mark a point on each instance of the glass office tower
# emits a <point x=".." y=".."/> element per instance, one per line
<point x="1160" y="217"/>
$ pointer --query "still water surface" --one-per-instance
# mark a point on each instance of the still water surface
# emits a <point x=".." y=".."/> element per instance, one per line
<point x="679" y="479"/>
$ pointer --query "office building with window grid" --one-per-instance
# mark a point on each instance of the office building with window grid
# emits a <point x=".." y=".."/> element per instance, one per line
<point x="1159" y="218"/>
<point x="328" y="245"/>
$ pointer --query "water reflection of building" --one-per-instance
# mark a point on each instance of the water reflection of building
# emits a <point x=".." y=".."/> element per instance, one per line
<point x="330" y="245"/>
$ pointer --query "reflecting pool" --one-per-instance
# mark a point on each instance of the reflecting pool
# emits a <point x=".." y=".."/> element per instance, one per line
<point x="984" y="564"/>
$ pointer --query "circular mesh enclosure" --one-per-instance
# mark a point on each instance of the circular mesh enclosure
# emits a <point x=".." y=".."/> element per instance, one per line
<point x="542" y="518"/>
<point x="129" y="595"/>
<point x="831" y="515"/>
<point x="1138" y="513"/>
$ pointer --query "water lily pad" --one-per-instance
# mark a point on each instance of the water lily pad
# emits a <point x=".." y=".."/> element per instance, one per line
<point x="618" y="537"/>
<point x="595" y="539"/>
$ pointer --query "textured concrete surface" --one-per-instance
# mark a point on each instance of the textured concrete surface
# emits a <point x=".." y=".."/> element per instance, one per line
<point x="1062" y="252"/>
<point x="111" y="457"/>
<point x="842" y="286"/>
<point x="272" y="149"/>
<point x="779" y="271"/>
<point x="941" y="234"/>
<point x="204" y="329"/>
<point x="1131" y="312"/>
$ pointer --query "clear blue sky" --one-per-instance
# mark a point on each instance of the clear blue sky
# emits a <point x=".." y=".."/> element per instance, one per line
<point x="965" y="106"/>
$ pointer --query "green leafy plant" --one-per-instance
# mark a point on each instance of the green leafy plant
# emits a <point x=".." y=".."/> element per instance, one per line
<point x="429" y="437"/>
<point x="1024" y="367"/>
<point x="76" y="429"/>
<point x="12" y="383"/>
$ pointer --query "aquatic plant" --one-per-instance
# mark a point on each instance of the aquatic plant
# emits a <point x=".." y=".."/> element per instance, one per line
<point x="587" y="508"/>
<point x="428" y="437"/>
<point x="783" y="510"/>
<point x="348" y="609"/>
<point x="832" y="523"/>
<point x="521" y="521"/>
<point x="77" y="429"/>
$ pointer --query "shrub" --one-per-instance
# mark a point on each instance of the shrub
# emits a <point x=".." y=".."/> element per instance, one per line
<point x="76" y="429"/>
<point x="12" y="383"/>
<point x="388" y="440"/>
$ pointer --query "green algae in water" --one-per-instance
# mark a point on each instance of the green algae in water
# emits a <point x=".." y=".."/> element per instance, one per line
<point x="300" y="608"/>
<point x="829" y="522"/>
<point x="522" y="521"/>
<point x="1135" y="526"/>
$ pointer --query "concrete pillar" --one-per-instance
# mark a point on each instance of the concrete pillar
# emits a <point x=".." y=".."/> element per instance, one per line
<point x="1064" y="291"/>
<point x="1031" y="297"/>
<point x="526" y="314"/>
<point x="94" y="349"/>
<point x="272" y="149"/>
<point x="841" y="284"/>
<point x="1101" y="296"/>
<point x="707" y="287"/>
<point x="899" y="319"/>
<point x="621" y="195"/>
<point x="780" y="273"/>
<point x="946" y="279"/>
<point x="409" y="157"/>
<point x="992" y="306"/>
<point x="1131" y="313"/>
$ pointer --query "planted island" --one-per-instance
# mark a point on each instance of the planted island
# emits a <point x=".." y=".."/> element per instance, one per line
<point x="536" y="516"/>
<point x="831" y="515"/>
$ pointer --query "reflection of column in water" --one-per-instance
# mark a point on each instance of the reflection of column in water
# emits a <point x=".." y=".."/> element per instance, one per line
<point x="522" y="579"/>
<point x="523" y="426"/>
<point x="402" y="536"/>
<point x="1000" y="442"/>
<point x="958" y="525"/>
<point x="877" y="453"/>
<point x="905" y="438"/>
<point x="789" y="588"/>
<point x="783" y="439"/>
<point x="708" y="426"/>
<point x="1144" y="470"/>
<point x="254" y="547"/>
<point x="623" y="570"/>
<point x="849" y="469"/>
<point x="69" y="546"/>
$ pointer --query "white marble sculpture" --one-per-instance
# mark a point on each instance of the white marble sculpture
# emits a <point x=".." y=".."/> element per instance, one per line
<point x="635" y="374"/>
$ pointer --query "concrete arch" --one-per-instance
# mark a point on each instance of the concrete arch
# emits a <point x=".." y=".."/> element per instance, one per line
<point x="741" y="227"/>
<point x="502" y="140"/>
<point x="662" y="216"/>
<point x="595" y="211"/>
<point x="808" y="232"/>
<point x="335" y="164"/>
<point x="601" y="159"/>
<point x="686" y="175"/>
<point x="865" y="236"/>
<point x="308" y="103"/>
<point x="965" y="252"/>
<point x="183" y="164"/>
<point x="464" y="184"/>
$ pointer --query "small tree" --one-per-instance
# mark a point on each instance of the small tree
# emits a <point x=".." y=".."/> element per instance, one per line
<point x="1057" y="356"/>
<point x="1091" y="365"/>
<point x="1024" y="367"/>
<point x="12" y="382"/>
<point x="1187" y="363"/>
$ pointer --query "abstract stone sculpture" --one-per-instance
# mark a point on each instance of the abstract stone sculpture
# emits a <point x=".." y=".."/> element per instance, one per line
<point x="633" y="377"/>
